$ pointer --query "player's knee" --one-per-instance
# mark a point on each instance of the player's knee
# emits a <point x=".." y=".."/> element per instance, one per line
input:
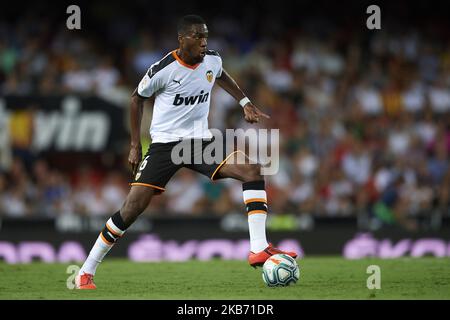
<point x="253" y="173"/>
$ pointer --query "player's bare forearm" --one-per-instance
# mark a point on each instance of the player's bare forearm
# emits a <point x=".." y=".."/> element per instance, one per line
<point x="136" y="111"/>
<point x="251" y="113"/>
<point x="227" y="83"/>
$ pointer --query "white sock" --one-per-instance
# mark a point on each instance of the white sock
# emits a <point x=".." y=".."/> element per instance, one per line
<point x="104" y="243"/>
<point x="257" y="230"/>
<point x="98" y="252"/>
<point x="256" y="202"/>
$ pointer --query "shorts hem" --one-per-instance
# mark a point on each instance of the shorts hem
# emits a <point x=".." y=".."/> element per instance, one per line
<point x="222" y="163"/>
<point x="148" y="185"/>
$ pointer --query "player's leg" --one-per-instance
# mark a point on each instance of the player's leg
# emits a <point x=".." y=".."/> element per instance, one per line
<point x="136" y="202"/>
<point x="254" y="196"/>
<point x="155" y="171"/>
<point x="255" y="199"/>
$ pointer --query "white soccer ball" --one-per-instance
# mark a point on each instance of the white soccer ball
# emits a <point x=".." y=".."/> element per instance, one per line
<point x="280" y="270"/>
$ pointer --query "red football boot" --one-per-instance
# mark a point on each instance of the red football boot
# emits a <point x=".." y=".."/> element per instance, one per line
<point x="258" y="259"/>
<point x="85" y="281"/>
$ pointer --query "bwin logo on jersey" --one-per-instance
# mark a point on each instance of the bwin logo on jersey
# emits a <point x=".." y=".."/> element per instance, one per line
<point x="179" y="100"/>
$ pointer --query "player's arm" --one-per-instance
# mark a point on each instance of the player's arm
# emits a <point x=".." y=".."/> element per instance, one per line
<point x="251" y="112"/>
<point x="136" y="111"/>
<point x="146" y="88"/>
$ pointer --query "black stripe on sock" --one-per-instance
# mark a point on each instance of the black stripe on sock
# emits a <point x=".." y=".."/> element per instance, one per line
<point x="110" y="238"/>
<point x="253" y="185"/>
<point x="118" y="221"/>
<point x="256" y="206"/>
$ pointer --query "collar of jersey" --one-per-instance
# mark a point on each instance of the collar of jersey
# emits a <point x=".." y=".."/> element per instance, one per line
<point x="184" y="64"/>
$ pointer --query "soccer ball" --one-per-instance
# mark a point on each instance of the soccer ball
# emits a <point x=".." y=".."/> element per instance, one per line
<point x="280" y="270"/>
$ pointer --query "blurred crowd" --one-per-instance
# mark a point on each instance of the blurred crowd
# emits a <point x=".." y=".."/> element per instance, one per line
<point x="364" y="118"/>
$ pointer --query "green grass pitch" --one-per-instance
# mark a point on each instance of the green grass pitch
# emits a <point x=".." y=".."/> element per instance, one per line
<point x="320" y="278"/>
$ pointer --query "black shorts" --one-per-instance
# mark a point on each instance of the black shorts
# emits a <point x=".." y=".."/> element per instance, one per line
<point x="157" y="167"/>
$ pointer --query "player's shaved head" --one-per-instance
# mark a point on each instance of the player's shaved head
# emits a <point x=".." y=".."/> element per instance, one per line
<point x="185" y="24"/>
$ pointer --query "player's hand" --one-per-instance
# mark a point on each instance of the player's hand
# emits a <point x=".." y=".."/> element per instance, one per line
<point x="253" y="114"/>
<point x="134" y="158"/>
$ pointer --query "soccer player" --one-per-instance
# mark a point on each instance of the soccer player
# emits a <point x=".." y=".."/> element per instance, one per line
<point x="181" y="83"/>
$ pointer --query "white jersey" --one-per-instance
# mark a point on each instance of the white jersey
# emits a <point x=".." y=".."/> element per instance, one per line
<point x="182" y="95"/>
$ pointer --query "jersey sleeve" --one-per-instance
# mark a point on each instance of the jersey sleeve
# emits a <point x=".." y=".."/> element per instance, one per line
<point x="150" y="83"/>
<point x="217" y="61"/>
<point x="219" y="72"/>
